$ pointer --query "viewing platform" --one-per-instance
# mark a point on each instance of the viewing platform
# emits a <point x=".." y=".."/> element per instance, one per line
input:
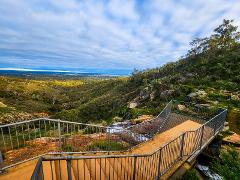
<point x="56" y="149"/>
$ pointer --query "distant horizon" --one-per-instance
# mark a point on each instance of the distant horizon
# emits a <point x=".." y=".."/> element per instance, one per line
<point x="99" y="34"/>
<point x="117" y="72"/>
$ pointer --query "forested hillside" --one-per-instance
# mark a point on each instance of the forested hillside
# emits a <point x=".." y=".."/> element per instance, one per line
<point x="209" y="74"/>
<point x="76" y="100"/>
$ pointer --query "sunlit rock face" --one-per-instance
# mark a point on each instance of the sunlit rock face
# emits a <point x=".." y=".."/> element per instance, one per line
<point x="132" y="105"/>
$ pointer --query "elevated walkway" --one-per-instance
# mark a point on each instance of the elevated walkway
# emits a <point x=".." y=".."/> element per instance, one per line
<point x="24" y="171"/>
<point x="176" y="140"/>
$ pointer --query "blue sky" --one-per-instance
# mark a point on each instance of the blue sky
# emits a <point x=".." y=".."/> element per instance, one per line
<point x="104" y="34"/>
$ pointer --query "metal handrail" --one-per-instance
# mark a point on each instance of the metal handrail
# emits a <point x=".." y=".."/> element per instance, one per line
<point x="164" y="122"/>
<point x="22" y="122"/>
<point x="137" y="136"/>
<point x="224" y="111"/>
<point x="37" y="175"/>
<point x="159" y="150"/>
<point x="201" y="143"/>
<point x="53" y="120"/>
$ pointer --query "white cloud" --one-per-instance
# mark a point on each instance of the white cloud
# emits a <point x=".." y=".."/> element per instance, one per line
<point x="99" y="34"/>
<point x="123" y="9"/>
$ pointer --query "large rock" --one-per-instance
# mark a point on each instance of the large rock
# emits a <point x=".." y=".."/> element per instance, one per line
<point x="201" y="93"/>
<point x="2" y="104"/>
<point x="132" y="105"/>
<point x="182" y="80"/>
<point x="167" y="93"/>
<point x="235" y="97"/>
<point x="152" y="95"/>
<point x="144" y="94"/>
<point x="190" y="74"/>
<point x="215" y="102"/>
<point x="20" y="116"/>
<point x="226" y="94"/>
<point x="191" y="95"/>
<point x="198" y="93"/>
<point x="117" y="119"/>
<point x="142" y="118"/>
<point x="233" y="139"/>
<point x="181" y="107"/>
<point x="202" y="106"/>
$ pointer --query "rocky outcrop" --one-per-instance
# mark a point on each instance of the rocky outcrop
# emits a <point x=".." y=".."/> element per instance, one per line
<point x="142" y="118"/>
<point x="166" y="94"/>
<point x="198" y="93"/>
<point x="20" y="116"/>
<point x="233" y="139"/>
<point x="181" y="107"/>
<point x="202" y="106"/>
<point x="190" y="75"/>
<point x="182" y="79"/>
<point x="235" y="97"/>
<point x="132" y="105"/>
<point x="152" y="95"/>
<point x="143" y="95"/>
<point x="2" y="104"/>
<point x="117" y="119"/>
<point x="230" y="95"/>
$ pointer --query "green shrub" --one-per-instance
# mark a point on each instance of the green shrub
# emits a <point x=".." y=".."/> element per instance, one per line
<point x="143" y="111"/>
<point x="105" y="145"/>
<point x="228" y="164"/>
<point x="68" y="148"/>
<point x="190" y="175"/>
<point x="90" y="130"/>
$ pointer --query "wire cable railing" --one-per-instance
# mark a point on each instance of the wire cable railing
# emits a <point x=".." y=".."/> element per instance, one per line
<point x="155" y="125"/>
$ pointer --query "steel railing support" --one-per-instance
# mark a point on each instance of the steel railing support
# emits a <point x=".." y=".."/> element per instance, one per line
<point x="59" y="135"/>
<point x="1" y="157"/>
<point x="69" y="169"/>
<point x="216" y="123"/>
<point x="159" y="164"/>
<point x="134" y="167"/>
<point x="201" y="140"/>
<point x="38" y="173"/>
<point x="108" y="139"/>
<point x="182" y="143"/>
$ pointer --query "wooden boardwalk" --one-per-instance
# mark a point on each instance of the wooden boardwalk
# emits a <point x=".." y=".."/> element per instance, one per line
<point x="83" y="170"/>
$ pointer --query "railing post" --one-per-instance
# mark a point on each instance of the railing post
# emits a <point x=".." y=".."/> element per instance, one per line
<point x="1" y="157"/>
<point x="38" y="170"/>
<point x="108" y="138"/>
<point x="214" y="128"/>
<point x="201" y="140"/>
<point x="134" y="167"/>
<point x="59" y="135"/>
<point x="159" y="164"/>
<point x="182" y="147"/>
<point x="69" y="169"/>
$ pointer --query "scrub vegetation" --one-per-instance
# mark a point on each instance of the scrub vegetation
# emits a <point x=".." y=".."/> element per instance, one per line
<point x="208" y="74"/>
